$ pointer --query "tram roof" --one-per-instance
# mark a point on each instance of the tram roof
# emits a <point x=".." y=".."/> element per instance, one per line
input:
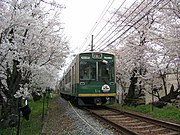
<point x="94" y="52"/>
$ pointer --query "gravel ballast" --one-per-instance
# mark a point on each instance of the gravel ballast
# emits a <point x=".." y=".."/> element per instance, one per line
<point x="65" y="119"/>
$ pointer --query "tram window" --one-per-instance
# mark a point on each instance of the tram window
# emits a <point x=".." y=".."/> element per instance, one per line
<point x="106" y="71"/>
<point x="87" y="70"/>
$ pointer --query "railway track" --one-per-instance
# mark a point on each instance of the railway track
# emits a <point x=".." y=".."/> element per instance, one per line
<point x="133" y="124"/>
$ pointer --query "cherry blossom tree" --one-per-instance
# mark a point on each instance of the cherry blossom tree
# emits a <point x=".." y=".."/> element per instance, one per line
<point x="167" y="37"/>
<point x="32" y="49"/>
<point x="148" y="47"/>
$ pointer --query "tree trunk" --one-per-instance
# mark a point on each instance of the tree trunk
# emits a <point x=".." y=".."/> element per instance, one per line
<point x="10" y="108"/>
<point x="167" y="98"/>
<point x="131" y="92"/>
<point x="163" y="76"/>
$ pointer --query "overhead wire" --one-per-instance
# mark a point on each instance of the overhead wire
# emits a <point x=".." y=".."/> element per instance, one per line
<point x="133" y="24"/>
<point x="100" y="18"/>
<point x="137" y="27"/>
<point x="108" y="36"/>
<point x="98" y="21"/>
<point x="111" y="19"/>
<point x="131" y="33"/>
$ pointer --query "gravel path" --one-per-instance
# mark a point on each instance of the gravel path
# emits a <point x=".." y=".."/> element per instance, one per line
<point x="64" y="119"/>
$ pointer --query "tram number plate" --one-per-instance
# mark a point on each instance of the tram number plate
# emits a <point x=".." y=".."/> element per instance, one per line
<point x="96" y="56"/>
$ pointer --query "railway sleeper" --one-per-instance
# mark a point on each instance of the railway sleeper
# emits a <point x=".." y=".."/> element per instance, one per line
<point x="160" y="130"/>
<point x="135" y="123"/>
<point x="141" y="127"/>
<point x="123" y="121"/>
<point x="112" y="115"/>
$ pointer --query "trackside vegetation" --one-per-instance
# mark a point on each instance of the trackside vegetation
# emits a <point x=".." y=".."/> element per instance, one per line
<point x="168" y="112"/>
<point x="34" y="125"/>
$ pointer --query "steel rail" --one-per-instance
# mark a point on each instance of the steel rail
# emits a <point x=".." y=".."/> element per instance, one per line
<point x="107" y="113"/>
<point x="120" y="128"/>
<point x="166" y="124"/>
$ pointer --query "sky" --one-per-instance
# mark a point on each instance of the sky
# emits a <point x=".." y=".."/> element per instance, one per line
<point x="80" y="16"/>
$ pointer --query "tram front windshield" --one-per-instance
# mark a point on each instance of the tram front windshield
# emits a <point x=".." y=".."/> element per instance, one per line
<point x="96" y="71"/>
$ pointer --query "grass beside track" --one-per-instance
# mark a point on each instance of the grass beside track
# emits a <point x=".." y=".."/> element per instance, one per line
<point x="34" y="125"/>
<point x="168" y="113"/>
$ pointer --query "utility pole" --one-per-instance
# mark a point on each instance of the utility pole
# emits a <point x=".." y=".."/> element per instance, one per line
<point x="19" y="116"/>
<point x="92" y="44"/>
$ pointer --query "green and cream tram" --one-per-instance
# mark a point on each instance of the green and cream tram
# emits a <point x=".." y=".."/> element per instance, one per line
<point x="90" y="79"/>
